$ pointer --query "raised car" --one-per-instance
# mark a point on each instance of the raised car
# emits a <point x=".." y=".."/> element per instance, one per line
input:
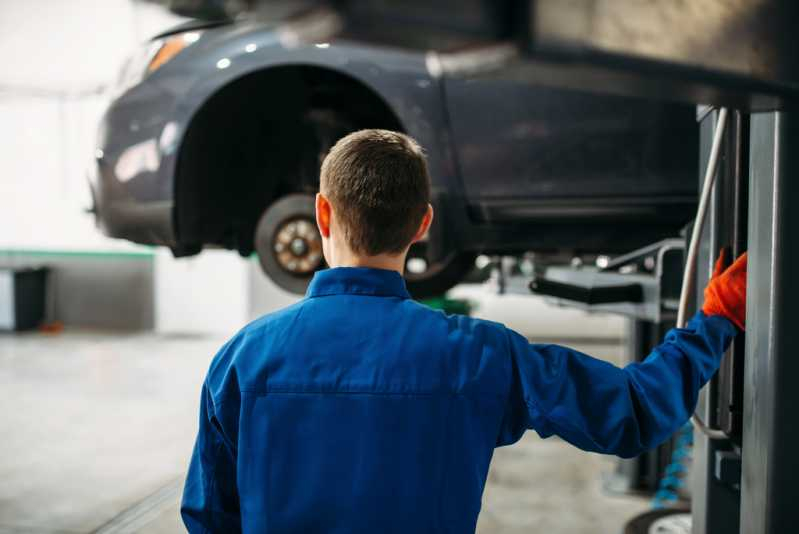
<point x="217" y="131"/>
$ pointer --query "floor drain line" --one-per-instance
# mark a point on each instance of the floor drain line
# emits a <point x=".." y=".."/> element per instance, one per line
<point x="143" y="512"/>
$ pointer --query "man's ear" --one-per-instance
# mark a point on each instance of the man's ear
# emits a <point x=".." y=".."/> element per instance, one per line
<point x="323" y="212"/>
<point x="424" y="226"/>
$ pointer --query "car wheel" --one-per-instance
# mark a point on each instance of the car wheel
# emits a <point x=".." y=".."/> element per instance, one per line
<point x="288" y="243"/>
<point x="289" y="250"/>
<point x="667" y="521"/>
<point x="427" y="278"/>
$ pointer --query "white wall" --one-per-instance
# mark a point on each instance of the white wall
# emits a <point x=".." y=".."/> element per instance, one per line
<point x="216" y="291"/>
<point x="59" y="58"/>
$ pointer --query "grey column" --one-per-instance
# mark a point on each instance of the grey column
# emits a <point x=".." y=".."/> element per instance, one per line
<point x="714" y="504"/>
<point x="770" y="479"/>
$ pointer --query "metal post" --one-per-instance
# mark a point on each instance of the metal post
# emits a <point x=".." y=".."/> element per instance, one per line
<point x="771" y="370"/>
<point x="715" y="503"/>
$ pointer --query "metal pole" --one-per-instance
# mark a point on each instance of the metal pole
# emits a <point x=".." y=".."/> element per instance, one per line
<point x="693" y="249"/>
<point x="689" y="275"/>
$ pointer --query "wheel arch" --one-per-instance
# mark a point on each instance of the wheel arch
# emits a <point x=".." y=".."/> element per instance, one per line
<point x="218" y="198"/>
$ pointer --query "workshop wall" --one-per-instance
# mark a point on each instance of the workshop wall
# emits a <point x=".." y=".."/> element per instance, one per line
<point x="54" y="86"/>
<point x="59" y="62"/>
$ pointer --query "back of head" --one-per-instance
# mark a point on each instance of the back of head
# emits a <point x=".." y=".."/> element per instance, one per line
<point x="379" y="187"/>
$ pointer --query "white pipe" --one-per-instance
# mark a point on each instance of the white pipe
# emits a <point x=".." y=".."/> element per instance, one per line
<point x="689" y="274"/>
<point x="693" y="249"/>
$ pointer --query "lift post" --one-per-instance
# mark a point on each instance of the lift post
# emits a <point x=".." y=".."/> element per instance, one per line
<point x="746" y="483"/>
<point x="771" y="372"/>
<point x="715" y="493"/>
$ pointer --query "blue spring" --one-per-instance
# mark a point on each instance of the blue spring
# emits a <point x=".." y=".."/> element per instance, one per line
<point x="674" y="475"/>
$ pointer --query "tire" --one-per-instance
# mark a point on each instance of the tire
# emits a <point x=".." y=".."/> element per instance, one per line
<point x="288" y="243"/>
<point x="437" y="278"/>
<point x="666" y="521"/>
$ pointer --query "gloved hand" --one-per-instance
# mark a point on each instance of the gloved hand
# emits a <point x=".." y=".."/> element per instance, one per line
<point x="725" y="294"/>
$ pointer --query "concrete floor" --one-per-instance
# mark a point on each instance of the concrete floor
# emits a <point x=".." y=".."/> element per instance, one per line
<point x="98" y="428"/>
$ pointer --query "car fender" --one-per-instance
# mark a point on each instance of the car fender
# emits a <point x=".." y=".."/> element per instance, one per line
<point x="401" y="79"/>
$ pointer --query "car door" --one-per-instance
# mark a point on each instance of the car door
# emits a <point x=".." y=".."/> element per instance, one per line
<point x="527" y="151"/>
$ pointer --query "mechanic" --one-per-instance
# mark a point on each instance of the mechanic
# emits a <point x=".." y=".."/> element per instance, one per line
<point x="360" y="410"/>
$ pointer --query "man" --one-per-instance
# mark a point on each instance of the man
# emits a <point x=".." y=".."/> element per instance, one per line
<point x="360" y="410"/>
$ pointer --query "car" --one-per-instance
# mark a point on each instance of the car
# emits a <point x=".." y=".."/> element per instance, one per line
<point x="217" y="129"/>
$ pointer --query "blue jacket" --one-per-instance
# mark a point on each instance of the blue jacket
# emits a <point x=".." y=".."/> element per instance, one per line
<point x="360" y="410"/>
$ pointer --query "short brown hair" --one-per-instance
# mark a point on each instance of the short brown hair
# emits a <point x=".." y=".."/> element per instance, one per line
<point x="377" y="182"/>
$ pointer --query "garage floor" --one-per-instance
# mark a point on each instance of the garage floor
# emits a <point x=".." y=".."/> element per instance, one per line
<point x="98" y="427"/>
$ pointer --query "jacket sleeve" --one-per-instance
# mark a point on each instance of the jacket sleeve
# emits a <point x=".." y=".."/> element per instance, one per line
<point x="210" y="499"/>
<point x="599" y="407"/>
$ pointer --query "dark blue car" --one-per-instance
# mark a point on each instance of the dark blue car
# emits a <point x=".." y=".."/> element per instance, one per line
<point x="218" y="130"/>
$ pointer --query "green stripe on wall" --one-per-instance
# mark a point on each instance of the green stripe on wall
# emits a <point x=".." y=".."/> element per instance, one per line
<point x="17" y="252"/>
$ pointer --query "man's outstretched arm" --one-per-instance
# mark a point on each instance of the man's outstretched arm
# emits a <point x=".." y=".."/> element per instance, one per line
<point x="600" y="407"/>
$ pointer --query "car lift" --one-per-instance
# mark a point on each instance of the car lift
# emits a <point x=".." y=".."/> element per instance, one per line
<point x="747" y="405"/>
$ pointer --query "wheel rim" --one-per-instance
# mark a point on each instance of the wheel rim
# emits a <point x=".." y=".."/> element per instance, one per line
<point x="297" y="246"/>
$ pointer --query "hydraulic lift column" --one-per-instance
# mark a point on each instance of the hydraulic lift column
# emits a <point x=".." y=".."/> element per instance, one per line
<point x="717" y="462"/>
<point x="747" y="483"/>
<point x="770" y="481"/>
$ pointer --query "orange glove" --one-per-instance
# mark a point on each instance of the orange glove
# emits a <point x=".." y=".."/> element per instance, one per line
<point x="725" y="294"/>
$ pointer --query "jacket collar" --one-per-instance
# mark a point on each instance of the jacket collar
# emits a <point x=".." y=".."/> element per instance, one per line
<point x="357" y="281"/>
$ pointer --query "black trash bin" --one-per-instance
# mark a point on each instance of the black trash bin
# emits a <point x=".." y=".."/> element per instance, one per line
<point x="23" y="294"/>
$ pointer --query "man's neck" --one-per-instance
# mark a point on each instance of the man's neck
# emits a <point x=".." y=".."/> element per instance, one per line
<point x="389" y="262"/>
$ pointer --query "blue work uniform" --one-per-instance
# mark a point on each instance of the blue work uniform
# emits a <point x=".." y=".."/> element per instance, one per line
<point x="360" y="410"/>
